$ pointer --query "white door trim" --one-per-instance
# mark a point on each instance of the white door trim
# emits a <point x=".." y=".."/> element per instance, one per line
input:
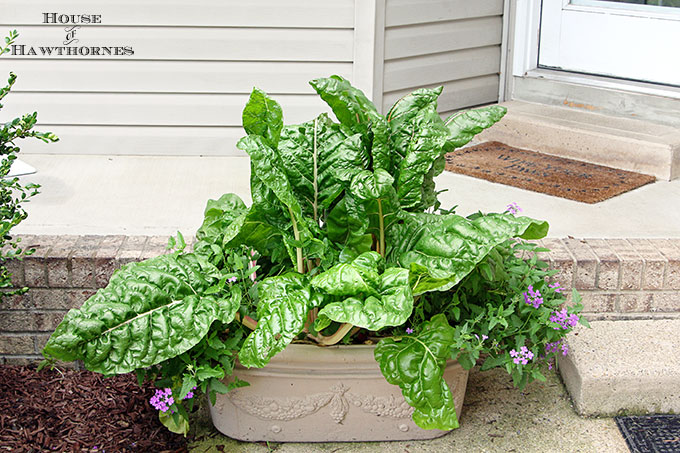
<point x="523" y="48"/>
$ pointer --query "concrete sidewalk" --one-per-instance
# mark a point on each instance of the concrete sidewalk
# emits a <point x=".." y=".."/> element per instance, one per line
<point x="496" y="418"/>
<point x="135" y="195"/>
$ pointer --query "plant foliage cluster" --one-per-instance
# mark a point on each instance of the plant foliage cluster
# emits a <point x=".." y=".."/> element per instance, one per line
<point x="345" y="242"/>
<point x="12" y="192"/>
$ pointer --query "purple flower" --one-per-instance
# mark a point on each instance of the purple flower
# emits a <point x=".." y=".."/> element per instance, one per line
<point x="162" y="400"/>
<point x="532" y="297"/>
<point x="513" y="208"/>
<point x="556" y="286"/>
<point x="190" y="394"/>
<point x="523" y="356"/>
<point x="557" y="346"/>
<point x="232" y="279"/>
<point x="409" y="330"/>
<point x="484" y="337"/>
<point x="564" y="320"/>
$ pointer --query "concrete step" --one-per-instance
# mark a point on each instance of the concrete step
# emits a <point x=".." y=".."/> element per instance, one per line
<point x="624" y="143"/>
<point x="624" y="367"/>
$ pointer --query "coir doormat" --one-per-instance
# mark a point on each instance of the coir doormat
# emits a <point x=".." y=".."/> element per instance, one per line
<point x="566" y="178"/>
<point x="651" y="433"/>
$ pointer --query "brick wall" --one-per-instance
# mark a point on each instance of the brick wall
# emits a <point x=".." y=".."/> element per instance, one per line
<point x="62" y="273"/>
<point x="617" y="278"/>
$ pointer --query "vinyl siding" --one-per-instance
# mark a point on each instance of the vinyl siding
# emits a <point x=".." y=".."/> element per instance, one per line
<point x="194" y="65"/>
<point x="454" y="43"/>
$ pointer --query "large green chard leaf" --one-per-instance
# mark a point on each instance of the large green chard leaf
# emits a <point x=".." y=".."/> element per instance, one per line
<point x="350" y="105"/>
<point x="440" y="250"/>
<point x="416" y="364"/>
<point x="422" y="151"/>
<point x="149" y="312"/>
<point x="346" y="225"/>
<point x="267" y="168"/>
<point x="354" y="110"/>
<point x="320" y="159"/>
<point x="372" y="299"/>
<point x="263" y="116"/>
<point x="463" y="126"/>
<point x="282" y="311"/>
<point x="366" y="209"/>
<point x="375" y="200"/>
<point x="252" y="229"/>
<point x="218" y="215"/>
<point x="403" y="111"/>
<point x="418" y="136"/>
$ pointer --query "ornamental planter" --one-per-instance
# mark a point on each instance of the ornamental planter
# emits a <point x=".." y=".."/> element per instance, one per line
<point x="312" y="394"/>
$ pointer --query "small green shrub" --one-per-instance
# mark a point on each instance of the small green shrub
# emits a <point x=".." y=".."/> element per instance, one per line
<point x="12" y="192"/>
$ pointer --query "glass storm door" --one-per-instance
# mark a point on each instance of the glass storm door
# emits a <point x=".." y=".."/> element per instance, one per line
<point x="628" y="39"/>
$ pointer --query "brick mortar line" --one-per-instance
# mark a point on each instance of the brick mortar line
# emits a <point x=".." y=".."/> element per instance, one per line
<point x="33" y="310"/>
<point x="23" y="333"/>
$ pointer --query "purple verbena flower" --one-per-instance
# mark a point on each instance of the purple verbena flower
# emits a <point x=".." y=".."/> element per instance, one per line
<point x="162" y="399"/>
<point x="565" y="321"/>
<point x="532" y="297"/>
<point x="409" y="330"/>
<point x="513" y="208"/>
<point x="556" y="286"/>
<point x="484" y="337"/>
<point x="557" y="346"/>
<point x="565" y="349"/>
<point x="523" y="356"/>
<point x="232" y="279"/>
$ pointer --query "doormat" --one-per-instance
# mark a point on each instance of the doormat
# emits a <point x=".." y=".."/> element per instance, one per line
<point x="552" y="175"/>
<point x="651" y="433"/>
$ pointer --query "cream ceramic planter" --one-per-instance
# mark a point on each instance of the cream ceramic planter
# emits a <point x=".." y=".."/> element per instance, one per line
<point x="313" y="394"/>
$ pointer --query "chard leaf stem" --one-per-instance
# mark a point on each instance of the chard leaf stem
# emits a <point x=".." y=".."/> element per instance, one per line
<point x="298" y="250"/>
<point x="381" y="221"/>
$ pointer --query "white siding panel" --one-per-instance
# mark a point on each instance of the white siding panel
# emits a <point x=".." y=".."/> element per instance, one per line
<point x="457" y="94"/>
<point x="404" y="12"/>
<point x="152" y="109"/>
<point x="424" y="39"/>
<point x="167" y="43"/>
<point x="196" y="13"/>
<point x="441" y="67"/>
<point x="122" y="140"/>
<point x="171" y="76"/>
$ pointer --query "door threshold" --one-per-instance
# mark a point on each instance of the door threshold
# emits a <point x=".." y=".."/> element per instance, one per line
<point x="658" y="104"/>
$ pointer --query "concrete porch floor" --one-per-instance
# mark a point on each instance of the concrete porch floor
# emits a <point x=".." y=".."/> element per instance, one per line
<point x="136" y="195"/>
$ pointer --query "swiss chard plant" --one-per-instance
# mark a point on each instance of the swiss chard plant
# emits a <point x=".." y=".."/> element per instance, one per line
<point x="344" y="240"/>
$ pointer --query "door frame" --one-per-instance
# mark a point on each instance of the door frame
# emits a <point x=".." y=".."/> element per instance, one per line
<point x="522" y="60"/>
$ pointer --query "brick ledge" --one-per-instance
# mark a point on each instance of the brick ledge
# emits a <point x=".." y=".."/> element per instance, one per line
<point x="617" y="278"/>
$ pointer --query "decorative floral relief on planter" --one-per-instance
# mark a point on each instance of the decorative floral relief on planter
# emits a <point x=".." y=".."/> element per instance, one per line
<point x="338" y="398"/>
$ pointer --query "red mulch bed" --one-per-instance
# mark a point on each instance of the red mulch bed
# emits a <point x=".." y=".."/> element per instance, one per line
<point x="79" y="411"/>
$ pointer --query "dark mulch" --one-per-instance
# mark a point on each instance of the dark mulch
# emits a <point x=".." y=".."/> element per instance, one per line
<point x="552" y="175"/>
<point x="79" y="411"/>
